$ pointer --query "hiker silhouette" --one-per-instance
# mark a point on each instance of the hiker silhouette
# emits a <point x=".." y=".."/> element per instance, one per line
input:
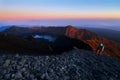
<point x="100" y="49"/>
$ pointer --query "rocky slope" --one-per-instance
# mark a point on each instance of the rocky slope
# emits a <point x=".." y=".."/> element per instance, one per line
<point x="72" y="65"/>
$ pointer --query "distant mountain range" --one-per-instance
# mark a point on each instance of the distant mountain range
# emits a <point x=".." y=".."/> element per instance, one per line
<point x="2" y="28"/>
<point x="71" y="35"/>
<point x="108" y="33"/>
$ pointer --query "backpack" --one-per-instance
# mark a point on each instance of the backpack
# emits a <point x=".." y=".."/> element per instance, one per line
<point x="102" y="48"/>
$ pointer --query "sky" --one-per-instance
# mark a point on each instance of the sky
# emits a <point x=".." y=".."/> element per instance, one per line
<point x="69" y="11"/>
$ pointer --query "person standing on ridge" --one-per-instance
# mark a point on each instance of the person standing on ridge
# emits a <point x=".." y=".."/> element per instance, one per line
<point x="100" y="49"/>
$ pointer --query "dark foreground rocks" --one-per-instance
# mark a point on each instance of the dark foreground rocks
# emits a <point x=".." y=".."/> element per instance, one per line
<point x="72" y="65"/>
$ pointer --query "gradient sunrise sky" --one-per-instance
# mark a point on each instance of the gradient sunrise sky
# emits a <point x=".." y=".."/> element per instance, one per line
<point x="59" y="9"/>
<point x="12" y="10"/>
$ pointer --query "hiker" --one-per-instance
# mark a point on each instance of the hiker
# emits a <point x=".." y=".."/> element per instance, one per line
<point x="100" y="49"/>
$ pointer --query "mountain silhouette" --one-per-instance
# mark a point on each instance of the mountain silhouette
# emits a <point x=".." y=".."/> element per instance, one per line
<point x="13" y="43"/>
<point x="30" y="45"/>
<point x="111" y="48"/>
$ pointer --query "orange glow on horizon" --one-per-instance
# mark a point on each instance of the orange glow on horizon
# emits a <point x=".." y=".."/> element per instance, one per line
<point x="28" y="16"/>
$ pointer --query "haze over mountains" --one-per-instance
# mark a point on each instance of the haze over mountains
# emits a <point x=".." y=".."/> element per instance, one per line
<point x="113" y="24"/>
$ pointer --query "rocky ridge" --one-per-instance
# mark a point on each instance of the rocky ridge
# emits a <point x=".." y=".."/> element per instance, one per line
<point x="111" y="48"/>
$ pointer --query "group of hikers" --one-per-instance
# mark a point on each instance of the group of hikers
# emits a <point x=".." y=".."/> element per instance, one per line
<point x="100" y="49"/>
